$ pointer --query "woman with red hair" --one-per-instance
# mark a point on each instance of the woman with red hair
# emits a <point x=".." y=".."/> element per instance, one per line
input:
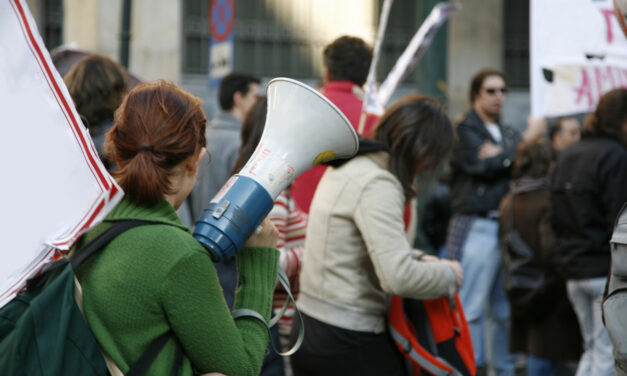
<point x="155" y="279"/>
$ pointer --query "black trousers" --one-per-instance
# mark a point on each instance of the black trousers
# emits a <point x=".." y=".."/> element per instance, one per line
<point x="329" y="350"/>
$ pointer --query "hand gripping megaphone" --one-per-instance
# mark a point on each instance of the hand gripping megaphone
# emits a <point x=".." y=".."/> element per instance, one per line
<point x="303" y="129"/>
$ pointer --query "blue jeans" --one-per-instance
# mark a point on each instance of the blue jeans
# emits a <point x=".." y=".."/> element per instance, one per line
<point x="482" y="295"/>
<point x="586" y="296"/>
<point x="544" y="367"/>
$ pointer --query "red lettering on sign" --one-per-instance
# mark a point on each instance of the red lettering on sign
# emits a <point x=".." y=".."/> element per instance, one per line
<point x="609" y="15"/>
<point x="603" y="79"/>
<point x="584" y="90"/>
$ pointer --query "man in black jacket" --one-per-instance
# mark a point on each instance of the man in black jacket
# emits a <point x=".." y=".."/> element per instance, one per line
<point x="480" y="169"/>
<point x="589" y="186"/>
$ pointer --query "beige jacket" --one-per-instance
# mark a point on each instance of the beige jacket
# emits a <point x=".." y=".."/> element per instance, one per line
<point x="357" y="252"/>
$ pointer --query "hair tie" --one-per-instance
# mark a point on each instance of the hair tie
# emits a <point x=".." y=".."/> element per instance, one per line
<point x="145" y="147"/>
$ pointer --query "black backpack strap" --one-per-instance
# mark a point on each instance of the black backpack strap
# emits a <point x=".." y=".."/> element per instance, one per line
<point x="178" y="360"/>
<point x="102" y="240"/>
<point x="145" y="360"/>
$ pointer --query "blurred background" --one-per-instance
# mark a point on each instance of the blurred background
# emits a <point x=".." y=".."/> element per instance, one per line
<point x="169" y="39"/>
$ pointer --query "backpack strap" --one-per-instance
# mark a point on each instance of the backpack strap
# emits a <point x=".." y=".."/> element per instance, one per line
<point x="245" y="312"/>
<point x="145" y="360"/>
<point x="409" y="346"/>
<point x="94" y="246"/>
<point x="102" y="240"/>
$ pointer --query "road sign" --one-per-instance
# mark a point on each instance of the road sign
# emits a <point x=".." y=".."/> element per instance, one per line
<point x="221" y="22"/>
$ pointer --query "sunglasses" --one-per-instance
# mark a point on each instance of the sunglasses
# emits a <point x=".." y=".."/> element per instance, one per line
<point x="493" y="90"/>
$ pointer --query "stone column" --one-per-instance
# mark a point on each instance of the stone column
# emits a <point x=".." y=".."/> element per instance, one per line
<point x="475" y="42"/>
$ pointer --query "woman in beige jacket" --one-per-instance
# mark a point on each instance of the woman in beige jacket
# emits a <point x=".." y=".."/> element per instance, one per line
<point x="357" y="252"/>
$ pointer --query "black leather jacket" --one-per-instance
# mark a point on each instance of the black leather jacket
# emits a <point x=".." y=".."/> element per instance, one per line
<point x="478" y="185"/>
<point x="588" y="188"/>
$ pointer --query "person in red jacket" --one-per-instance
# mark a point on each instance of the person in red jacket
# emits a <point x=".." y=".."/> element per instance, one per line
<point x="346" y="63"/>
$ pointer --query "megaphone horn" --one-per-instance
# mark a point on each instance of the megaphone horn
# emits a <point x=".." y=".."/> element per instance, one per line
<point x="303" y="129"/>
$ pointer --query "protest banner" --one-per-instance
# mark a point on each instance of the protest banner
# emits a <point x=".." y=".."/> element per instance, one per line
<point x="371" y="104"/>
<point x="376" y="99"/>
<point x="415" y="50"/>
<point x="577" y="53"/>
<point x="54" y="185"/>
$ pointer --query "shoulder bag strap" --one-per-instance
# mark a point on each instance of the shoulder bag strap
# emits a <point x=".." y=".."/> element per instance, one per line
<point x="245" y="312"/>
<point x="102" y="240"/>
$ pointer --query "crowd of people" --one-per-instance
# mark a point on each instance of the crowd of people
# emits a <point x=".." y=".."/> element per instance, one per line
<point x="344" y="232"/>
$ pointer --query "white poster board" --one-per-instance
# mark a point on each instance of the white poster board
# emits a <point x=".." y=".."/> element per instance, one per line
<point x="577" y="53"/>
<point x="54" y="186"/>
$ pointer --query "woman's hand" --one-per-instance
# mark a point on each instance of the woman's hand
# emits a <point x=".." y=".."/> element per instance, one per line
<point x="428" y="258"/>
<point x="267" y="236"/>
<point x="457" y="269"/>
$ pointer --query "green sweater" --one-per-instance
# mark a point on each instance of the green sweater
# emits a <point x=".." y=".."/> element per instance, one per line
<point x="156" y="278"/>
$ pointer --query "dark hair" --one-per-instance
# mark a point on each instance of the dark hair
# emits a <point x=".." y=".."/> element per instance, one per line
<point x="609" y="116"/>
<point x="348" y="58"/>
<point x="533" y="159"/>
<point x="97" y="86"/>
<point x="157" y="127"/>
<point x="419" y="136"/>
<point x="556" y="127"/>
<point x="233" y="83"/>
<point x="252" y="129"/>
<point x="479" y="77"/>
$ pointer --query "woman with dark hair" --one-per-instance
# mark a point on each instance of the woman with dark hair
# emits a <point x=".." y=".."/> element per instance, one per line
<point x="357" y="250"/>
<point x="97" y="85"/>
<point x="542" y="322"/>
<point x="157" y="278"/>
<point x="588" y="189"/>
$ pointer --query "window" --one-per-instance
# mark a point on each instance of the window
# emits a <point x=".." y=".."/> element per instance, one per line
<point x="52" y="23"/>
<point x="195" y="36"/>
<point x="516" y="40"/>
<point x="279" y="37"/>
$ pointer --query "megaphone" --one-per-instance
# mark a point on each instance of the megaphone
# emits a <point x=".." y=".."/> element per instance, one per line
<point x="302" y="129"/>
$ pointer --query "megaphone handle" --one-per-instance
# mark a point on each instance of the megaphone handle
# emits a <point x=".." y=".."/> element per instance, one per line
<point x="245" y="312"/>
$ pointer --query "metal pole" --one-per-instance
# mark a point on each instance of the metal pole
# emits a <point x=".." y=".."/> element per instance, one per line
<point x="125" y="34"/>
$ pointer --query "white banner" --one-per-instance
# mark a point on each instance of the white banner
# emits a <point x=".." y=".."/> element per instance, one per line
<point x="54" y="185"/>
<point x="577" y="53"/>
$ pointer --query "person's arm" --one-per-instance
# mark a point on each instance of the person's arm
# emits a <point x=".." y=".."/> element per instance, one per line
<point x="193" y="302"/>
<point x="379" y="218"/>
<point x="613" y="185"/>
<point x="291" y="223"/>
<point x="466" y="155"/>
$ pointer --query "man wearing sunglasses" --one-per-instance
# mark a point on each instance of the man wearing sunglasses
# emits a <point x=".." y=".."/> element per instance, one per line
<point x="480" y="168"/>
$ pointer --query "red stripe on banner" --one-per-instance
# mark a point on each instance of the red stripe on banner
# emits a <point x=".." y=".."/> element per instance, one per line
<point x="79" y="227"/>
<point x="114" y="190"/>
<point x="93" y="216"/>
<point x="47" y="72"/>
<point x="17" y="285"/>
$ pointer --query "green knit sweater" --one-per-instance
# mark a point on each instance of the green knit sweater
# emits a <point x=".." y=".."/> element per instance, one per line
<point x="156" y="278"/>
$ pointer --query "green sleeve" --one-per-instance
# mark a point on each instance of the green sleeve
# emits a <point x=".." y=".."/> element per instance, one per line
<point x="195" y="307"/>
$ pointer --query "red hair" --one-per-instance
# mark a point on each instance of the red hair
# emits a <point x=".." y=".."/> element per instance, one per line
<point x="157" y="127"/>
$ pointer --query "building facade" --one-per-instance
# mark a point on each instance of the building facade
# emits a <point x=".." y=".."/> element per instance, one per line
<point x="169" y="40"/>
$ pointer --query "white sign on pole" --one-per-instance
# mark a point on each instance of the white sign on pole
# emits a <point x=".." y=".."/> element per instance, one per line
<point x="54" y="185"/>
<point x="577" y="53"/>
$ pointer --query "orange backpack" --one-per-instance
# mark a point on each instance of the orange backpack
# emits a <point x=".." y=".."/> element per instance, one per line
<point x="433" y="335"/>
